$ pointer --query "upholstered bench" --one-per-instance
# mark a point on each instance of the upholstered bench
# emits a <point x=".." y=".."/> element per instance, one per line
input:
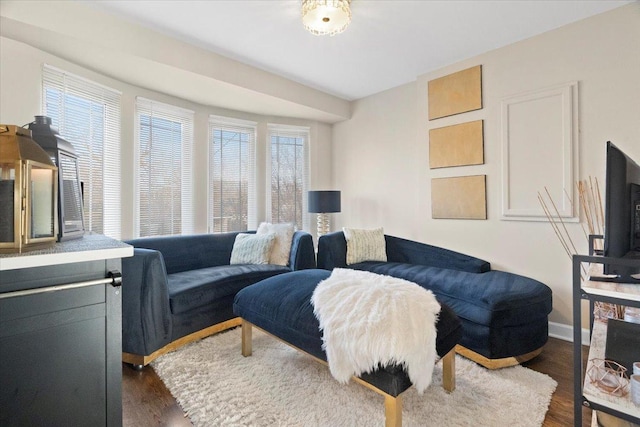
<point x="281" y="306"/>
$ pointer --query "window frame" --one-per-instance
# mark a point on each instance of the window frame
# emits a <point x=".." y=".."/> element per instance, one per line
<point x="274" y="129"/>
<point x="186" y="117"/>
<point x="236" y="125"/>
<point x="111" y="100"/>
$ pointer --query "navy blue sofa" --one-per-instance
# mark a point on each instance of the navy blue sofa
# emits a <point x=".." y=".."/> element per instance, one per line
<point x="504" y="316"/>
<point x="178" y="289"/>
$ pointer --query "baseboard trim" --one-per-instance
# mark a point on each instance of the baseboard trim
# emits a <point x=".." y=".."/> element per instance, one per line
<point x="565" y="332"/>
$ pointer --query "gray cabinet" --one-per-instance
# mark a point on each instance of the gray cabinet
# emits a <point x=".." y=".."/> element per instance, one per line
<point x="60" y="343"/>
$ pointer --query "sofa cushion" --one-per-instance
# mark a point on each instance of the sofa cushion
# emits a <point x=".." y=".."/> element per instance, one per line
<point x="365" y="245"/>
<point x="190" y="252"/>
<point x="494" y="298"/>
<point x="410" y="252"/>
<point x="282" y="245"/>
<point x="196" y="288"/>
<point x="332" y="253"/>
<point x="252" y="249"/>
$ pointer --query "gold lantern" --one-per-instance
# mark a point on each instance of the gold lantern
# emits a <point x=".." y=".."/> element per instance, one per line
<point x="28" y="193"/>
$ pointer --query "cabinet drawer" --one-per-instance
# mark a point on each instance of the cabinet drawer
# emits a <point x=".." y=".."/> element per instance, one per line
<point x="21" y="307"/>
<point x="50" y="372"/>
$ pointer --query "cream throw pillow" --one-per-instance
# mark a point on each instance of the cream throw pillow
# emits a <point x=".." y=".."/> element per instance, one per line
<point x="252" y="249"/>
<point x="282" y="246"/>
<point x="365" y="245"/>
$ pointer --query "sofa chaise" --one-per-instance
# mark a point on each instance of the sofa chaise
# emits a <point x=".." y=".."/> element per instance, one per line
<point x="504" y="316"/>
<point x="178" y="289"/>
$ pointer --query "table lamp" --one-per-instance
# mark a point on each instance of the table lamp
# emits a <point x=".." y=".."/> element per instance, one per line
<point x="323" y="203"/>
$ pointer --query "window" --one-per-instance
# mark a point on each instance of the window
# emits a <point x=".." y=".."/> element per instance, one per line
<point x="289" y="174"/>
<point x="87" y="115"/>
<point x="231" y="175"/>
<point x="165" y="137"/>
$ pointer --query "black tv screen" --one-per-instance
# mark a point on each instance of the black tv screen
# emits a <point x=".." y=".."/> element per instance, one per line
<point x="622" y="210"/>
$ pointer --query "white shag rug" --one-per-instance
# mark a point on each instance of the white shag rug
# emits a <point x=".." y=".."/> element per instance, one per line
<point x="279" y="386"/>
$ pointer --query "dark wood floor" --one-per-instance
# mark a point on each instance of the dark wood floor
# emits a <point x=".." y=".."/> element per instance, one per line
<point x="147" y="402"/>
<point x="556" y="361"/>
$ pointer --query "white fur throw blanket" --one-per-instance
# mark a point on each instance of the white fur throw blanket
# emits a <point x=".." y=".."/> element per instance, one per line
<point x="370" y="319"/>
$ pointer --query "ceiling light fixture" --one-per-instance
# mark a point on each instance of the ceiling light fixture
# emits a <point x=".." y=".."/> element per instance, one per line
<point x="322" y="17"/>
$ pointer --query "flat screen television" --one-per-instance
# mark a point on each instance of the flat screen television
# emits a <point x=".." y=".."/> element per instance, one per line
<point x="622" y="213"/>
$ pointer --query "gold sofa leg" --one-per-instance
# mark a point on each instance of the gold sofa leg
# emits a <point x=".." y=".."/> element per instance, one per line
<point x="496" y="363"/>
<point x="142" y="360"/>
<point x="246" y="338"/>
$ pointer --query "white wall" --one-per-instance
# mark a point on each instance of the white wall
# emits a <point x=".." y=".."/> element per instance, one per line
<point x="20" y="101"/>
<point x="143" y="57"/>
<point x="380" y="156"/>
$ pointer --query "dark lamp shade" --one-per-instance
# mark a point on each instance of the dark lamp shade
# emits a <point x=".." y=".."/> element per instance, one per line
<point x="324" y="201"/>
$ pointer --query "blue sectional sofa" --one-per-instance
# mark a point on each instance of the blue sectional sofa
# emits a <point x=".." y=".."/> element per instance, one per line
<point x="504" y="316"/>
<point x="177" y="289"/>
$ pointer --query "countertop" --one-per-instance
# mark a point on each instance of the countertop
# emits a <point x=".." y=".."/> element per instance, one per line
<point x="90" y="247"/>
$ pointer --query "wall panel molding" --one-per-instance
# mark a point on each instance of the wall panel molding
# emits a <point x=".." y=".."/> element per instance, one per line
<point x="539" y="131"/>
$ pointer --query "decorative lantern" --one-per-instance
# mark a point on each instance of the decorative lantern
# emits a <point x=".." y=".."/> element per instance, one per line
<point x="61" y="151"/>
<point x="28" y="193"/>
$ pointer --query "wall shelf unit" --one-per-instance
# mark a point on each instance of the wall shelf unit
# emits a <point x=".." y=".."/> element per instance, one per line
<point x="592" y="289"/>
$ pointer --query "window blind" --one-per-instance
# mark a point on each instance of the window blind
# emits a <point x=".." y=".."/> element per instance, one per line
<point x="289" y="174"/>
<point x="87" y="114"/>
<point x="164" y="183"/>
<point x="232" y="194"/>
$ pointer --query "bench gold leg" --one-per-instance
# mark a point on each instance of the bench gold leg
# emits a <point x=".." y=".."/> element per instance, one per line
<point x="246" y="338"/>
<point x="449" y="371"/>
<point x="392" y="411"/>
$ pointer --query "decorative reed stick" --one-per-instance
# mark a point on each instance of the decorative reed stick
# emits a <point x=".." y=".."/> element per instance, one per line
<point x="558" y="231"/>
<point x="596" y="211"/>
<point x="586" y="236"/>
<point x="583" y="203"/>
<point x="555" y="227"/>
<point x="575" y="251"/>
<point x="600" y="203"/>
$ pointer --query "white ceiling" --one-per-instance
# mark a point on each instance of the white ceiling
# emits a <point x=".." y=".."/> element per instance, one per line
<point x="389" y="42"/>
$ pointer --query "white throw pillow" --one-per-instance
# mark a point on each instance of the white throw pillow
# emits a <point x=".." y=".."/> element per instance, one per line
<point x="282" y="246"/>
<point x="365" y="245"/>
<point x="252" y="249"/>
